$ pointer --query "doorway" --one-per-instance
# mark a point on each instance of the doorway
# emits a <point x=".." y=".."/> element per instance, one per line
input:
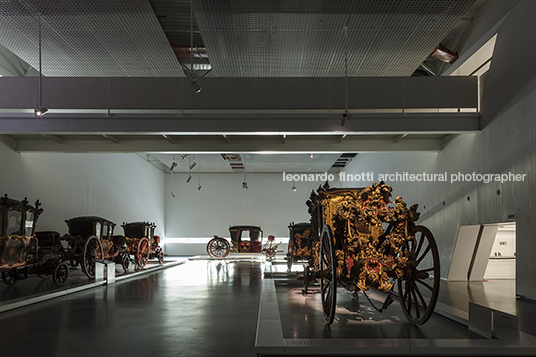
<point x="485" y="251"/>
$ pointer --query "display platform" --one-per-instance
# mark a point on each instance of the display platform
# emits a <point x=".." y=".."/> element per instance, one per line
<point x="292" y="323"/>
<point x="34" y="289"/>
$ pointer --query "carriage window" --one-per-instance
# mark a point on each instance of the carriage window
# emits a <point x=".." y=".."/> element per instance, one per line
<point x="1" y="222"/>
<point x="98" y="229"/>
<point x="254" y="235"/>
<point x="28" y="225"/>
<point x="14" y="223"/>
<point x="105" y="231"/>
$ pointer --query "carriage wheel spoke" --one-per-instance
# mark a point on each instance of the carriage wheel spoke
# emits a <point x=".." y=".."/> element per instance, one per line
<point x="416" y="289"/>
<point x="424" y="254"/>
<point x="419" y="246"/>
<point x="425" y="284"/>
<point x="417" y="310"/>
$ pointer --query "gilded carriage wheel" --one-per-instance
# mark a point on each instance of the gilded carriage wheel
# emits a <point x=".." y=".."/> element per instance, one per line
<point x="328" y="280"/>
<point x="218" y="247"/>
<point x="418" y="294"/>
<point x="92" y="252"/>
<point x="9" y="279"/>
<point x="125" y="261"/>
<point x="142" y="254"/>
<point x="60" y="274"/>
<point x="160" y="254"/>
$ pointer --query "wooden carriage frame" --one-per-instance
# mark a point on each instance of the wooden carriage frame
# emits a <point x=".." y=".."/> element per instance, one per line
<point x="349" y="224"/>
<point x="219" y="247"/>
<point x="22" y="253"/>
<point x="90" y="238"/>
<point x="142" y="244"/>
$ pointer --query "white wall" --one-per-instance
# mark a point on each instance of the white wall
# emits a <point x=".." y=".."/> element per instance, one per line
<point x="118" y="187"/>
<point x="222" y="202"/>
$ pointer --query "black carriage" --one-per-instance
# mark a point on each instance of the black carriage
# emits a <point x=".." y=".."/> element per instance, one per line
<point x="364" y="243"/>
<point x="21" y="252"/>
<point x="300" y="243"/>
<point x="91" y="238"/>
<point x="142" y="244"/>
<point x="244" y="239"/>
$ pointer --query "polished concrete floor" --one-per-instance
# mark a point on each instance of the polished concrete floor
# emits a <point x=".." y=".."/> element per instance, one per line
<point x="207" y="308"/>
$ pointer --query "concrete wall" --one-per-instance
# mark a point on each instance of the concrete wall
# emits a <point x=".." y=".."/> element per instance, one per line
<point x="270" y="203"/>
<point x="118" y="187"/>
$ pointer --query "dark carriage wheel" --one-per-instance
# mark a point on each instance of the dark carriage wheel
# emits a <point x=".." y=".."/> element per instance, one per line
<point x="289" y="256"/>
<point x="329" y="282"/>
<point x="125" y="261"/>
<point x="92" y="252"/>
<point x="61" y="273"/>
<point x="142" y="254"/>
<point x="160" y="255"/>
<point x="418" y="307"/>
<point x="218" y="247"/>
<point x="9" y="279"/>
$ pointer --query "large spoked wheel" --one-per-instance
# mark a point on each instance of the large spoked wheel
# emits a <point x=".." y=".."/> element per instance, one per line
<point x="218" y="247"/>
<point x="142" y="254"/>
<point x="92" y="252"/>
<point x="418" y="289"/>
<point x="9" y="279"/>
<point x="328" y="280"/>
<point x="160" y="255"/>
<point x="289" y="255"/>
<point x="60" y="274"/>
<point x="125" y="261"/>
<point x="270" y="253"/>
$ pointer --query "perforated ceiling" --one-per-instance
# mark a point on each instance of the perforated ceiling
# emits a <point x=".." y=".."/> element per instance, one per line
<point x="295" y="38"/>
<point x="88" y="38"/>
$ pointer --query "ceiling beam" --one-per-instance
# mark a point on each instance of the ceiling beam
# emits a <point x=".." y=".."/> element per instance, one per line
<point x="169" y="139"/>
<point x="388" y="123"/>
<point x="238" y="145"/>
<point x="399" y="137"/>
<point x="111" y="138"/>
<point x="54" y="138"/>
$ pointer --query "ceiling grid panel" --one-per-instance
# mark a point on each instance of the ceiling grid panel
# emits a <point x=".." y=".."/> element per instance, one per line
<point x="292" y="38"/>
<point x="89" y="38"/>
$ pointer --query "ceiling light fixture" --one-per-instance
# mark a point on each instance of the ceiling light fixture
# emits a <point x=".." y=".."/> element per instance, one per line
<point x="173" y="165"/>
<point x="40" y="111"/>
<point x="189" y="178"/>
<point x="245" y="182"/>
<point x="191" y="76"/>
<point x="193" y="165"/>
<point x="184" y="156"/>
<point x="199" y="187"/>
<point x="345" y="115"/>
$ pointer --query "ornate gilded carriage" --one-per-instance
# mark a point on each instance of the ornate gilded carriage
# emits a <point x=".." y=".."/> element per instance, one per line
<point x="364" y="242"/>
<point x="300" y="244"/>
<point x="142" y="244"/>
<point x="21" y="252"/>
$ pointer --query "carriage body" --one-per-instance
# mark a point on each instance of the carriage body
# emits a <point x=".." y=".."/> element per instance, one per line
<point x="244" y="239"/>
<point x="364" y="242"/>
<point x="300" y="244"/>
<point x="142" y="244"/>
<point x="22" y="253"/>
<point x="90" y="238"/>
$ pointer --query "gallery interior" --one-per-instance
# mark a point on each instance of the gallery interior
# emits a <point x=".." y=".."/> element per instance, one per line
<point x="265" y="178"/>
